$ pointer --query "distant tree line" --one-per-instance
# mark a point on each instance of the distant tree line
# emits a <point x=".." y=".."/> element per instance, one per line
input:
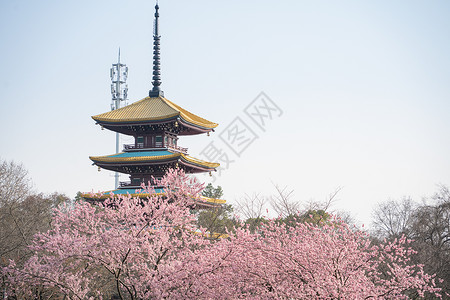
<point x="23" y="212"/>
<point x="426" y="224"/>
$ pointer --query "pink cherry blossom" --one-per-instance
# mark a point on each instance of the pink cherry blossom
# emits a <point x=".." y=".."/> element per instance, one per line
<point x="151" y="249"/>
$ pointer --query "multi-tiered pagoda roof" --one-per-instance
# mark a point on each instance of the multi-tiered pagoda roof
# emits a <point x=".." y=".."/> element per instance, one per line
<point x="155" y="123"/>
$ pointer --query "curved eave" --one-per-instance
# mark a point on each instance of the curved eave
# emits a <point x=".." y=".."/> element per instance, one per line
<point x="212" y="200"/>
<point x="192" y="118"/>
<point x="205" y="201"/>
<point x="199" y="161"/>
<point x="132" y="159"/>
<point x="185" y="128"/>
<point x="168" y="119"/>
<point x="111" y="125"/>
<point x="128" y="121"/>
<point x="195" y="127"/>
<point x="166" y="110"/>
<point x="113" y="159"/>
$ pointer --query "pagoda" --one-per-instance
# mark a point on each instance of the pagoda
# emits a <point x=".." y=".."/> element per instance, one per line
<point x="156" y="124"/>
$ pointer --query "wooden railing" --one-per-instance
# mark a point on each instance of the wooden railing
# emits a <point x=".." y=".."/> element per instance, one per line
<point x="141" y="146"/>
<point x="128" y="183"/>
<point x="125" y="183"/>
<point x="133" y="146"/>
<point x="177" y="148"/>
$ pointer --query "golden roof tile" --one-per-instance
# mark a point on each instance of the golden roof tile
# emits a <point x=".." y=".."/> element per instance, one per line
<point x="120" y="159"/>
<point x="191" y="118"/>
<point x="152" y="109"/>
<point x="199" y="161"/>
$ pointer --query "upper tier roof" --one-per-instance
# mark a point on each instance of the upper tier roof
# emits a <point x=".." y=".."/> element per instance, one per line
<point x="152" y="110"/>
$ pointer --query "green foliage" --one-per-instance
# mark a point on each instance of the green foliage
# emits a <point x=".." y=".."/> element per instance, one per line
<point x="316" y="217"/>
<point x="218" y="219"/>
<point x="211" y="192"/>
<point x="57" y="199"/>
<point x="78" y="197"/>
<point x="312" y="216"/>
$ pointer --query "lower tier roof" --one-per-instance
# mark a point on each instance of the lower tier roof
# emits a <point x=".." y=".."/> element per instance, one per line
<point x="204" y="202"/>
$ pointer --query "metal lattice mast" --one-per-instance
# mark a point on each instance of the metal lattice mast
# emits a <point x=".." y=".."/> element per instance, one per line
<point x="156" y="91"/>
<point x="119" y="90"/>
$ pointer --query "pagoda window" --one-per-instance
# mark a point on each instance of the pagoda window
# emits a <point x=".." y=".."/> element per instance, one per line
<point x="140" y="142"/>
<point x="135" y="181"/>
<point x="166" y="140"/>
<point x="158" y="141"/>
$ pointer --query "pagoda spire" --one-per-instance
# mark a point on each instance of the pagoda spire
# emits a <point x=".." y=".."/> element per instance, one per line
<point x="156" y="91"/>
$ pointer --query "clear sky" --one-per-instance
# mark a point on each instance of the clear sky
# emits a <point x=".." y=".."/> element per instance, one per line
<point x="363" y="86"/>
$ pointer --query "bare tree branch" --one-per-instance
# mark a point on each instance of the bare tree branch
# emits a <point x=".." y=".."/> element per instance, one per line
<point x="251" y="207"/>
<point x="282" y="202"/>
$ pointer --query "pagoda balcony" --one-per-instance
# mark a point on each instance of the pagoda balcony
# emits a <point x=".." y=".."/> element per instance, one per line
<point x="129" y="184"/>
<point x="133" y="147"/>
<point x="177" y="148"/>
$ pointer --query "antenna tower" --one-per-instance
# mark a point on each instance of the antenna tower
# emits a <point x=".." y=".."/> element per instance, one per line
<point x="119" y="91"/>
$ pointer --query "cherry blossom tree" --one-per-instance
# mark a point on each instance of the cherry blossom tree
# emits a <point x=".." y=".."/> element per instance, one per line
<point x="150" y="249"/>
<point x="126" y="246"/>
<point x="311" y="261"/>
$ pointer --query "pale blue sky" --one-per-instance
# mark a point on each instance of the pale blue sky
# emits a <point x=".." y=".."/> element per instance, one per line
<point x="364" y="87"/>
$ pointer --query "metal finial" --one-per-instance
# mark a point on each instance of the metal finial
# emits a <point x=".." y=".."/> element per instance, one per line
<point x="156" y="91"/>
